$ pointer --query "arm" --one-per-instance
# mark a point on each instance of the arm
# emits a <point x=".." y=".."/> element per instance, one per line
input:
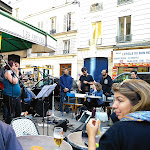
<point x="60" y="83"/>
<point x="10" y="78"/>
<point x="92" y="129"/>
<point x="79" y="86"/>
<point x="71" y="82"/>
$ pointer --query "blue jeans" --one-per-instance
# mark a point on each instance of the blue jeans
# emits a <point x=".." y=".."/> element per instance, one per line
<point x="63" y="98"/>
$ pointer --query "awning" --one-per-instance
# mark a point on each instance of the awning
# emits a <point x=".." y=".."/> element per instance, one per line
<point x="18" y="35"/>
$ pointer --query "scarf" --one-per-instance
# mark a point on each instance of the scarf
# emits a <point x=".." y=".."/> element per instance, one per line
<point x="137" y="116"/>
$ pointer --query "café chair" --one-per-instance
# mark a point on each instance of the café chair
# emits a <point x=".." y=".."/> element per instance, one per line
<point x="24" y="126"/>
<point x="68" y="103"/>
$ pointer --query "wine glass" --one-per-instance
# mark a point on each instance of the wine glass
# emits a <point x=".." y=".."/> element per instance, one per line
<point x="58" y="136"/>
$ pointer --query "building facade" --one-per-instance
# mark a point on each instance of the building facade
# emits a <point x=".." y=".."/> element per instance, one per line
<point x="98" y="34"/>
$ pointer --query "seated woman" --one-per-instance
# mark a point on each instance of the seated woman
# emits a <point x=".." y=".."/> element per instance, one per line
<point x="94" y="102"/>
<point x="132" y="107"/>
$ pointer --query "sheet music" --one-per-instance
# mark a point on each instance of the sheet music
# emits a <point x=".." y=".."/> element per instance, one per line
<point x="46" y="91"/>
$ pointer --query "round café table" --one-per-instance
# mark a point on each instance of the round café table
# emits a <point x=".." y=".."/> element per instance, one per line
<point x="77" y="141"/>
<point x="47" y="142"/>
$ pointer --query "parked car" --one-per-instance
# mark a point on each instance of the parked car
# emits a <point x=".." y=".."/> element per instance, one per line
<point x="48" y="81"/>
<point x="127" y="75"/>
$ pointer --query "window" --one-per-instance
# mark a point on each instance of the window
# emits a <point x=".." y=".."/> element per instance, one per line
<point x="124" y="1"/>
<point x="96" y="34"/>
<point x="124" y="33"/>
<point x="40" y="25"/>
<point x="53" y="25"/>
<point x="96" y="7"/>
<point x="68" y="21"/>
<point x="66" y="47"/>
<point x="17" y="12"/>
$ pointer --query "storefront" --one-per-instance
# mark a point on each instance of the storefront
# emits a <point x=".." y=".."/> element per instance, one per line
<point x="128" y="60"/>
<point x="16" y="35"/>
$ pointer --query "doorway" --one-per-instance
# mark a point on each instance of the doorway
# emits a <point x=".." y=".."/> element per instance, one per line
<point x="63" y="66"/>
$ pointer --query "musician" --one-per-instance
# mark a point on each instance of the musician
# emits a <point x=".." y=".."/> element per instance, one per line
<point x="11" y="92"/>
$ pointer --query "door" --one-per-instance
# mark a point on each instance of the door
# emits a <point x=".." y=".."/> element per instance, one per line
<point x="63" y="66"/>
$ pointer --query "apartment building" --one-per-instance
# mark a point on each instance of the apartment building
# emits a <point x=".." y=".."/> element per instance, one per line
<point x="98" y="34"/>
<point x="60" y="19"/>
<point x="114" y="34"/>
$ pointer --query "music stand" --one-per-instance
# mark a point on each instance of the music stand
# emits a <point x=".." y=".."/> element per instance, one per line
<point x="45" y="92"/>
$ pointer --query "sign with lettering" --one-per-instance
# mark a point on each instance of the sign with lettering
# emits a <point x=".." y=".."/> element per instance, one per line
<point x="139" y="57"/>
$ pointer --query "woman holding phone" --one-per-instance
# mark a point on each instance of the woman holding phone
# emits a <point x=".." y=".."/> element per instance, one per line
<point x="132" y="107"/>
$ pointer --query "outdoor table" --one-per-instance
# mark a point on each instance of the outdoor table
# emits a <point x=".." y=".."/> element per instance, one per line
<point x="77" y="141"/>
<point x="47" y="142"/>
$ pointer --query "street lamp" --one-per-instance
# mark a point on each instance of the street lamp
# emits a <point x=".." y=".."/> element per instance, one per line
<point x="76" y="2"/>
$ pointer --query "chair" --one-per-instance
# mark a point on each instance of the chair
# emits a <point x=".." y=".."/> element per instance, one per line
<point x="68" y="102"/>
<point x="24" y="126"/>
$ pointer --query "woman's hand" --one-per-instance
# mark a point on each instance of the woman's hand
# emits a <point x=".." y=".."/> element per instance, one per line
<point x="92" y="127"/>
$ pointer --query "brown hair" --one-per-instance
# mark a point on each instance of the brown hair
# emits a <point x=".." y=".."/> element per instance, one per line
<point x="98" y="86"/>
<point x="137" y="91"/>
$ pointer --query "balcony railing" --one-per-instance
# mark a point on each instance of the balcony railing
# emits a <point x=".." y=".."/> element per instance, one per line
<point x="124" y="38"/>
<point x="96" y="42"/>
<point x="124" y="1"/>
<point x="65" y="51"/>
<point x="52" y="31"/>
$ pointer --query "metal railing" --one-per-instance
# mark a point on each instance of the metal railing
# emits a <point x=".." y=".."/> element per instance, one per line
<point x="65" y="51"/>
<point x="124" y="38"/>
<point x="52" y="31"/>
<point x="124" y="1"/>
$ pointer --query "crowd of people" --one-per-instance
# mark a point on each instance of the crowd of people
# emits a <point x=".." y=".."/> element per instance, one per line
<point x="131" y="107"/>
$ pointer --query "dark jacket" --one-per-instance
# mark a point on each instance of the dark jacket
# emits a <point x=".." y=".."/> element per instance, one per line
<point x="8" y="140"/>
<point x="65" y="82"/>
<point x="126" y="135"/>
<point x="106" y="84"/>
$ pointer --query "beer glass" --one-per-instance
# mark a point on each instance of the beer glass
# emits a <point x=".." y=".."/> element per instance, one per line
<point x="58" y="136"/>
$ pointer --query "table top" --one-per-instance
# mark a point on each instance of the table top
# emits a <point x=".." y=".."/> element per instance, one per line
<point x="93" y="96"/>
<point x="47" y="142"/>
<point x="77" y="141"/>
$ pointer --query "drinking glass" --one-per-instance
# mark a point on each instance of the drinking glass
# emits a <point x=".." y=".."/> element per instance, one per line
<point x="58" y="136"/>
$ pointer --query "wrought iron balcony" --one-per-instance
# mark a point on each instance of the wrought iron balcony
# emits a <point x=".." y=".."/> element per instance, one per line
<point x="65" y="51"/>
<point x="124" y="1"/>
<point x="52" y="31"/>
<point x="124" y="38"/>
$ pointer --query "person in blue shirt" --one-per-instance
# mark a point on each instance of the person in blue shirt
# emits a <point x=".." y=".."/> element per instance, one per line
<point x="65" y="83"/>
<point x="8" y="140"/>
<point x="94" y="102"/>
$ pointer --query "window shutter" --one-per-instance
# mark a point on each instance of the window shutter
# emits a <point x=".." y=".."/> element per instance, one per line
<point x="65" y="23"/>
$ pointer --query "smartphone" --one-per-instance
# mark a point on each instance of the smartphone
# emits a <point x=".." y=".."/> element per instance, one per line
<point x="86" y="143"/>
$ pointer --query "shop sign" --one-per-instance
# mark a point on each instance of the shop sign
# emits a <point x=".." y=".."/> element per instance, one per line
<point x="134" y="58"/>
<point x="16" y="29"/>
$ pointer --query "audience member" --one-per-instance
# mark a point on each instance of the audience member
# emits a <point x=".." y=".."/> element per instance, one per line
<point x="8" y="140"/>
<point x="132" y="107"/>
<point x="85" y="81"/>
<point x="106" y="83"/>
<point x="92" y="102"/>
<point x="134" y="75"/>
<point x="65" y="83"/>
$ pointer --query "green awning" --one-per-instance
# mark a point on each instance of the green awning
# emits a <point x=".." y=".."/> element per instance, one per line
<point x="10" y="43"/>
<point x="19" y="35"/>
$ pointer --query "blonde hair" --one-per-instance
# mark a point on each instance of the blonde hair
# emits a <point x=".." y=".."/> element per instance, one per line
<point x="98" y="86"/>
<point x="137" y="91"/>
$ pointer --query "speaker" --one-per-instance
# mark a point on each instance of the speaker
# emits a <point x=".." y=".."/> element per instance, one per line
<point x="15" y="58"/>
<point x="63" y="124"/>
<point x="39" y="108"/>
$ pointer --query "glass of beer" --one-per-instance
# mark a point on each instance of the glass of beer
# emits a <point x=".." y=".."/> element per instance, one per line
<point x="58" y="136"/>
